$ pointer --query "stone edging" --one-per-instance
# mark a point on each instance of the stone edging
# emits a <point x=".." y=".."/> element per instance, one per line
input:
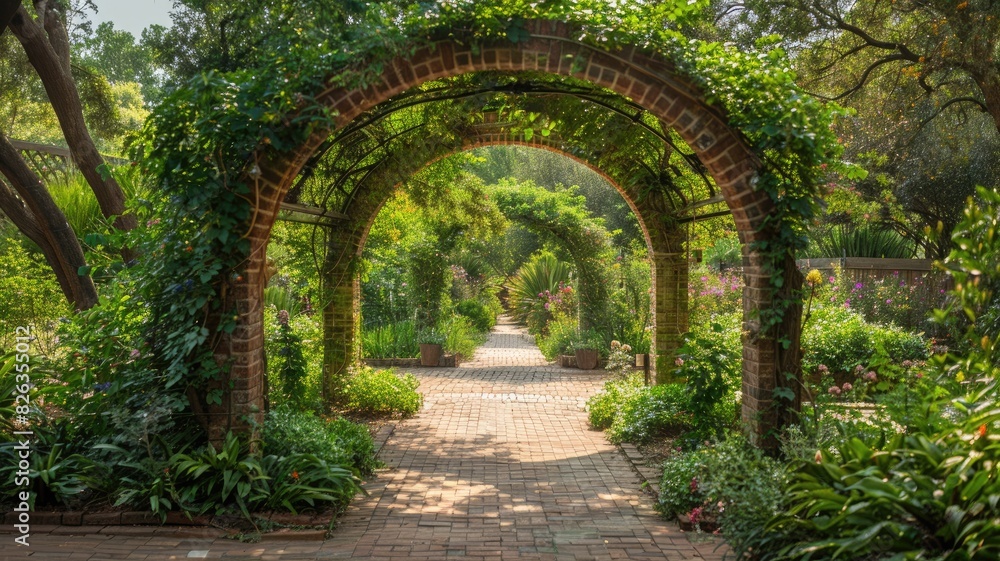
<point x="177" y="524"/>
<point x="649" y="476"/>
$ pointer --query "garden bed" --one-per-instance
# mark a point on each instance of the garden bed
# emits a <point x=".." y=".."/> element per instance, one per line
<point x="389" y="362"/>
<point x="447" y="361"/>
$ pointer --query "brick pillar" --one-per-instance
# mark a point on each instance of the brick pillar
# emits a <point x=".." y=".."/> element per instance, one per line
<point x="241" y="388"/>
<point x="341" y="315"/>
<point x="768" y="362"/>
<point x="670" y="300"/>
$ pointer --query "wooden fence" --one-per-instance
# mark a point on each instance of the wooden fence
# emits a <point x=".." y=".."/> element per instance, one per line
<point x="865" y="270"/>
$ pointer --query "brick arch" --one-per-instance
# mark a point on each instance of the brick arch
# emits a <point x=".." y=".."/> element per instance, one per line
<point x="669" y="309"/>
<point x="647" y="78"/>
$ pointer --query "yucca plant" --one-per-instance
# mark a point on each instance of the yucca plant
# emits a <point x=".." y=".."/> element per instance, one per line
<point x="283" y="298"/>
<point x="876" y="242"/>
<point x="536" y="278"/>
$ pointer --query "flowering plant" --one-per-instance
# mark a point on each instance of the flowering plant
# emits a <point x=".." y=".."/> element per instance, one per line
<point x="620" y="359"/>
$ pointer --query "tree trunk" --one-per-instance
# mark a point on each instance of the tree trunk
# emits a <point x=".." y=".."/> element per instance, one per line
<point x="990" y="86"/>
<point x="37" y="216"/>
<point x="48" y="52"/>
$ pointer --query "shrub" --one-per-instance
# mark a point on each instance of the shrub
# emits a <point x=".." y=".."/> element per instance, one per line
<point x="710" y="361"/>
<point x="338" y="442"/>
<point x="30" y="295"/>
<point x="653" y="411"/>
<point x="559" y="341"/>
<point x="841" y="340"/>
<point x="628" y="317"/>
<point x="291" y="364"/>
<point x="481" y="318"/>
<point x="620" y="360"/>
<point x="731" y="481"/>
<point x="293" y="345"/>
<point x="603" y="408"/>
<point x="930" y="493"/>
<point x="382" y="393"/>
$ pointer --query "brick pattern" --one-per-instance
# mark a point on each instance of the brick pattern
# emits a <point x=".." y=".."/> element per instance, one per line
<point x="500" y="464"/>
<point x="646" y="78"/>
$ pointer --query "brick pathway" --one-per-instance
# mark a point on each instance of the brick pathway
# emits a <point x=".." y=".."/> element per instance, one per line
<point x="499" y="465"/>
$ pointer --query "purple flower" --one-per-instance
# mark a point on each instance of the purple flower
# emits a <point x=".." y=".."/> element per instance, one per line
<point x="134" y="354"/>
<point x="858" y="286"/>
<point x="283" y="317"/>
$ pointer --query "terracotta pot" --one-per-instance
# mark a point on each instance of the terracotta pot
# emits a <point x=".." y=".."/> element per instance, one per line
<point x="586" y="359"/>
<point x="430" y="354"/>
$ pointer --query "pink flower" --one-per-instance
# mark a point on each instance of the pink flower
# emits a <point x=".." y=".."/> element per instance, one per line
<point x="834" y="390"/>
<point x="871" y="376"/>
<point x="679" y="361"/>
<point x="134" y="354"/>
<point x="695" y="514"/>
<point x="848" y="387"/>
<point x="823" y="368"/>
<point x="694" y="484"/>
<point x="832" y="280"/>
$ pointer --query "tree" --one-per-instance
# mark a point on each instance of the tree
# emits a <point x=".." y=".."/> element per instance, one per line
<point x="947" y="48"/>
<point x="225" y="36"/>
<point x="924" y="80"/>
<point x="116" y="55"/>
<point x="46" y="43"/>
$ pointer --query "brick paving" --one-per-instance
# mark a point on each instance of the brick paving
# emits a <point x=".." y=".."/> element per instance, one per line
<point x="499" y="465"/>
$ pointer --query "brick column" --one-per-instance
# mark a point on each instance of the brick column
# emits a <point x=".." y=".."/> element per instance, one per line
<point x="341" y="314"/>
<point x="242" y="387"/>
<point x="670" y="299"/>
<point x="768" y="363"/>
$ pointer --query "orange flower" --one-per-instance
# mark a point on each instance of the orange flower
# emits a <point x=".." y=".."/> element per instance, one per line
<point x="982" y="431"/>
<point x="295" y="475"/>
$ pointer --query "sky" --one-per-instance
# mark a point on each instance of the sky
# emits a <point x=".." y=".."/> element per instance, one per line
<point x="133" y="15"/>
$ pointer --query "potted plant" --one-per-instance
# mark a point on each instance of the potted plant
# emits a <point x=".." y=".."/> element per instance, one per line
<point x="586" y="346"/>
<point x="431" y="341"/>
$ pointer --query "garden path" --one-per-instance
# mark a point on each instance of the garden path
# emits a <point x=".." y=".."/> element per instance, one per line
<point x="498" y="465"/>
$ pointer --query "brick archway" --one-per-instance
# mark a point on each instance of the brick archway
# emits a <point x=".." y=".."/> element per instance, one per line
<point x="648" y="79"/>
<point x="664" y="241"/>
